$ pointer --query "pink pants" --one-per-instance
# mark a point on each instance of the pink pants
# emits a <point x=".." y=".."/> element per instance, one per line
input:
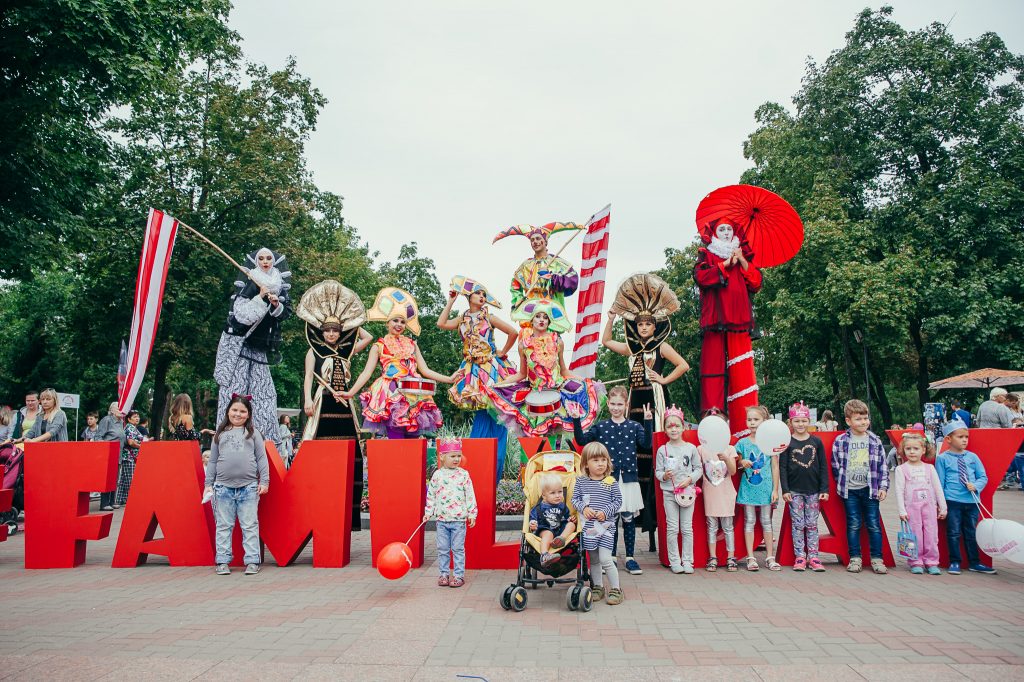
<point x="922" y="515"/>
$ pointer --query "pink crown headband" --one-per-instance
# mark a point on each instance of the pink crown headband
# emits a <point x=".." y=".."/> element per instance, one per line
<point x="673" y="412"/>
<point x="446" y="445"/>
<point x="799" y="410"/>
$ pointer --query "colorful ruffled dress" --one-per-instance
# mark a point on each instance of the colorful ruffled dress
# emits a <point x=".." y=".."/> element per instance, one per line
<point x="508" y="403"/>
<point x="384" y="405"/>
<point x="480" y="366"/>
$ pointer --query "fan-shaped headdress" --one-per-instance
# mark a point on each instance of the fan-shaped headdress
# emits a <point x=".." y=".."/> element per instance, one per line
<point x="393" y="302"/>
<point x="645" y="297"/>
<point x="529" y="230"/>
<point x="329" y="305"/>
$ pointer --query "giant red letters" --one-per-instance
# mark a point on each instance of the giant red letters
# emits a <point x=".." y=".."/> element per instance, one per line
<point x="58" y="478"/>
<point x="996" y="449"/>
<point x="310" y="501"/>
<point x="397" y="472"/>
<point x="480" y="459"/>
<point x="166" y="491"/>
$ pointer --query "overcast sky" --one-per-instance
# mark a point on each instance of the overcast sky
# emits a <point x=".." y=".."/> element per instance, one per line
<point x="448" y="120"/>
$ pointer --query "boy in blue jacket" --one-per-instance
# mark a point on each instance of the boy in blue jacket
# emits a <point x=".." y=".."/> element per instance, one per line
<point x="963" y="477"/>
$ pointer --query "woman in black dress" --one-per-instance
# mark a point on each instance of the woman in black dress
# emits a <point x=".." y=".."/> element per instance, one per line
<point x="645" y="303"/>
<point x="334" y="316"/>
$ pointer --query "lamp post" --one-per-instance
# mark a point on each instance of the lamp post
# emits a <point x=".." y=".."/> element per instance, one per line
<point x="858" y="336"/>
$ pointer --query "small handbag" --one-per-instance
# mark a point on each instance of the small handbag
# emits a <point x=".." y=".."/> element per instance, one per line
<point x="906" y="542"/>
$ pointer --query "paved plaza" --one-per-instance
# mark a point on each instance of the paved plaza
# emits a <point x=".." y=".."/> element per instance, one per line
<point x="158" y="622"/>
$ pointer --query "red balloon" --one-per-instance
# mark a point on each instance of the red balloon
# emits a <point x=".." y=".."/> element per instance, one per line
<point x="395" y="560"/>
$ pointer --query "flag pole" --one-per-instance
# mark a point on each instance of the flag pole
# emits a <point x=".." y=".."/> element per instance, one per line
<point x="216" y="248"/>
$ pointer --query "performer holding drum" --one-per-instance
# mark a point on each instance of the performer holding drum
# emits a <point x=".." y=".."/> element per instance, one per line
<point x="400" y="403"/>
<point x="482" y="363"/>
<point x="334" y="316"/>
<point x="645" y="303"/>
<point x="534" y="401"/>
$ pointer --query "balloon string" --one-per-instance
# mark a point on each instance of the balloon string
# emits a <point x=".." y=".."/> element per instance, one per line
<point x="414" y="532"/>
<point x="977" y="501"/>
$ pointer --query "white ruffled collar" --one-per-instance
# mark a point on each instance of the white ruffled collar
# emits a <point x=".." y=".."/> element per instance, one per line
<point x="722" y="248"/>
<point x="271" y="279"/>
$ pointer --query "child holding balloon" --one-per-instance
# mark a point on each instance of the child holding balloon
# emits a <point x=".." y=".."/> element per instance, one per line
<point x="450" y="498"/>
<point x="678" y="469"/>
<point x="920" y="501"/>
<point x="759" y="488"/>
<point x="719" y="493"/>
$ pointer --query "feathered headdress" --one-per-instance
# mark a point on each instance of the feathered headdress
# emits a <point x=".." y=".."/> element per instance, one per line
<point x="645" y="296"/>
<point x="529" y="230"/>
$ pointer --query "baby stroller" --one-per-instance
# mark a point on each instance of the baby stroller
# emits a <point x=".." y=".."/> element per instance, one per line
<point x="572" y="567"/>
<point x="12" y="460"/>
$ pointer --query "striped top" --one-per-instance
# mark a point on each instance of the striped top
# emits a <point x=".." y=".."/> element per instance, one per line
<point x="600" y="497"/>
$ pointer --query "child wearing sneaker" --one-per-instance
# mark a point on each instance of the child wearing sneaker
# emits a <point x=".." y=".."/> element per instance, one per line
<point x="622" y="437"/>
<point x="598" y="497"/>
<point x="963" y="476"/>
<point x="678" y="470"/>
<point x="719" y="500"/>
<point x="236" y="476"/>
<point x="803" y="476"/>
<point x="550" y="519"/>
<point x="451" y="500"/>
<point x="918" y="496"/>
<point x="862" y="481"/>
<point x="759" y="489"/>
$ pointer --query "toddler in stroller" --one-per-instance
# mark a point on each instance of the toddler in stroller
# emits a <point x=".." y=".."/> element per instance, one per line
<point x="550" y="552"/>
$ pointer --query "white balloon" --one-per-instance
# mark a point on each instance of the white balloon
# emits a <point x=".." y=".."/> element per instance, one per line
<point x="713" y="434"/>
<point x="1009" y="536"/>
<point x="985" y="534"/>
<point x="772" y="436"/>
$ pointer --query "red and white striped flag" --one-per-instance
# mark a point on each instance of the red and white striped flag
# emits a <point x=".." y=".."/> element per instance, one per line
<point x="591" y="294"/>
<point x="149" y="295"/>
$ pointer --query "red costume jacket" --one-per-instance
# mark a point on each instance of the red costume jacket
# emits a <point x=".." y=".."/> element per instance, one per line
<point x="725" y="292"/>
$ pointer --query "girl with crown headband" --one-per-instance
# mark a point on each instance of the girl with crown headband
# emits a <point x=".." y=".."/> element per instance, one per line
<point x="251" y="338"/>
<point x="804" y="479"/>
<point x="543" y="396"/>
<point x="482" y="363"/>
<point x="451" y="500"/>
<point x="645" y="302"/>
<point x="387" y="409"/>
<point x="333" y="315"/>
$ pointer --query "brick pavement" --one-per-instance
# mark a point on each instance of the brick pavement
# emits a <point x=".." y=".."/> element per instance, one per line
<point x="155" y="622"/>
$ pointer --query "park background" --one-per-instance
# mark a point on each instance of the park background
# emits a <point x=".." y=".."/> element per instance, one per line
<point x="896" y="133"/>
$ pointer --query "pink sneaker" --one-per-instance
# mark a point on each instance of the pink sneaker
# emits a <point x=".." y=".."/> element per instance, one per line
<point x="800" y="564"/>
<point x="815" y="565"/>
<point x="442" y="581"/>
<point x="456" y="582"/>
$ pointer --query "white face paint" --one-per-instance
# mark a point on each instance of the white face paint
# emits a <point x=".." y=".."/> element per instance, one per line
<point x="724" y="232"/>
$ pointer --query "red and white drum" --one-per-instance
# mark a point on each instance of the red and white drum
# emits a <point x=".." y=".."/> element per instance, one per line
<point x="417" y="386"/>
<point x="542" y="403"/>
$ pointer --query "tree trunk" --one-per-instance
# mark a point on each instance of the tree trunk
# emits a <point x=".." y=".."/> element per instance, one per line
<point x="878" y="395"/>
<point x="922" y="361"/>
<point x="848" y="361"/>
<point x="157" y="418"/>
<point x="833" y="380"/>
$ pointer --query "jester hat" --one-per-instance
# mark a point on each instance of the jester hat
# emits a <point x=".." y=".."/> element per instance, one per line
<point x="559" y="320"/>
<point x="529" y="230"/>
<point x="464" y="285"/>
<point x="393" y="302"/>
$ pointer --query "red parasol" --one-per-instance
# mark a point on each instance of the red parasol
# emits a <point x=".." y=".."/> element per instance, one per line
<point x="765" y="220"/>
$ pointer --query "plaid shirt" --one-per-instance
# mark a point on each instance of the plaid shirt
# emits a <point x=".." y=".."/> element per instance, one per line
<point x="878" y="472"/>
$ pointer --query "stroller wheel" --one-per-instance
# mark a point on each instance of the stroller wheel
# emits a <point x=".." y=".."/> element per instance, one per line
<point x="506" y="597"/>
<point x="579" y="598"/>
<point x="518" y="598"/>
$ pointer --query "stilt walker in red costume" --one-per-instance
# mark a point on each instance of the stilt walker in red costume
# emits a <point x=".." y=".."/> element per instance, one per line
<point x="744" y="228"/>
<point x="727" y="278"/>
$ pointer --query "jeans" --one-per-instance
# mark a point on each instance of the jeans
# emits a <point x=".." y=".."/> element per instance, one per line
<point x="451" y="547"/>
<point x="1018" y="464"/>
<point x="240" y="503"/>
<point x="861" y="510"/>
<point x="961" y="521"/>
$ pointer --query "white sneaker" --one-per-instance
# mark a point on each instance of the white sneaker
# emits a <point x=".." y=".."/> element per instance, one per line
<point x="676" y="569"/>
<point x="855" y="565"/>
<point x="252" y="569"/>
<point x="687" y="568"/>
